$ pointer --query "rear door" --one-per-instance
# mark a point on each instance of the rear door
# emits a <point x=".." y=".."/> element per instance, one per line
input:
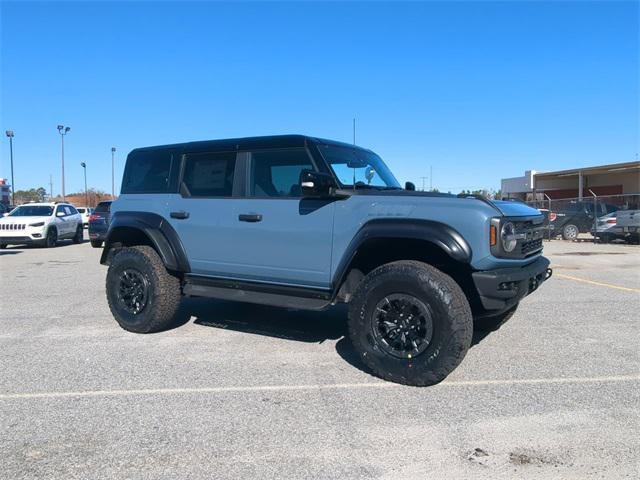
<point x="204" y="213"/>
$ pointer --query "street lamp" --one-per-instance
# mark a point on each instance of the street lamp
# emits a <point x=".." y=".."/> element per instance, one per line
<point x="62" y="130"/>
<point x="9" y="134"/>
<point x="113" y="182"/>
<point x="86" y="192"/>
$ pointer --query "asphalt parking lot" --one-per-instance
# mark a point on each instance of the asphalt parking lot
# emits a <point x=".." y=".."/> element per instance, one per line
<point x="242" y="391"/>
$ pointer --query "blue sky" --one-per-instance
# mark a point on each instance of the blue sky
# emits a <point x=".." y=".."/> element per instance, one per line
<point x="478" y="90"/>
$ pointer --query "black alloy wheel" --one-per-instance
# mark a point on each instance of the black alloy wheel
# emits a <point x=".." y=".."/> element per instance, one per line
<point x="133" y="291"/>
<point x="52" y="238"/>
<point x="402" y="325"/>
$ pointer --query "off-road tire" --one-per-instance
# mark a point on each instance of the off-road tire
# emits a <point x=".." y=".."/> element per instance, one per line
<point x="96" y="243"/>
<point x="494" y="322"/>
<point x="79" y="236"/>
<point x="163" y="292"/>
<point x="51" y="239"/>
<point x="570" y="232"/>
<point x="450" y="314"/>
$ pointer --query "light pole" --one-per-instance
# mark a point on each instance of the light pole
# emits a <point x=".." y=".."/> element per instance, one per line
<point x="9" y="134"/>
<point x="86" y="192"/>
<point x="62" y="130"/>
<point x="113" y="170"/>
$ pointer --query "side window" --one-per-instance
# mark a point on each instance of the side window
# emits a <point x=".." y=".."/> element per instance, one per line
<point x="72" y="210"/>
<point x="209" y="174"/>
<point x="60" y="211"/>
<point x="147" y="172"/>
<point x="276" y="173"/>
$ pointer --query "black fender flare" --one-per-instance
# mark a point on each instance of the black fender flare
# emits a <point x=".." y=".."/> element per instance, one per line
<point x="158" y="230"/>
<point x="439" y="234"/>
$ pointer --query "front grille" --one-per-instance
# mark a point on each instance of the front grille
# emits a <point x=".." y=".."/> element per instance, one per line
<point x="531" y="246"/>
<point x="13" y="226"/>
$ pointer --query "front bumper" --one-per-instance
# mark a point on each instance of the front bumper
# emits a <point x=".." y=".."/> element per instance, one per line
<point x="15" y="240"/>
<point x="502" y="288"/>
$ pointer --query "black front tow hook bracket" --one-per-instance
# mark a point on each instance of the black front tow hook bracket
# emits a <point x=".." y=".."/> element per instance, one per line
<point x="548" y="274"/>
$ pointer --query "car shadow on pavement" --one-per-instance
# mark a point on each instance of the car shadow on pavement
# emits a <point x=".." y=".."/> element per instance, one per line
<point x="10" y="252"/>
<point x="296" y="325"/>
<point x="61" y="243"/>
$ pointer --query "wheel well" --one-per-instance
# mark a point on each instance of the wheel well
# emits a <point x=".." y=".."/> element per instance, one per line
<point x="129" y="237"/>
<point x="121" y="237"/>
<point x="379" y="251"/>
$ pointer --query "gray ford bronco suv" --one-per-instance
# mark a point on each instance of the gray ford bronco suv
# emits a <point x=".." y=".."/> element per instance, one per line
<point x="305" y="223"/>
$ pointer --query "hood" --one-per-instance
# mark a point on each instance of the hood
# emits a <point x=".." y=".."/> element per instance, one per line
<point x="27" y="220"/>
<point x="506" y="208"/>
<point x="515" y="209"/>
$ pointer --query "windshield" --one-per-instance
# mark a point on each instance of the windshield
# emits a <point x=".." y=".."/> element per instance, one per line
<point x="32" y="211"/>
<point x="357" y="168"/>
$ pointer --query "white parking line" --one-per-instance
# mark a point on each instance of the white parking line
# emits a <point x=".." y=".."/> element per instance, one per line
<point x="336" y="386"/>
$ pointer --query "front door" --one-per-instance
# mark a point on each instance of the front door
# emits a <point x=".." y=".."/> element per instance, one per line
<point x="280" y="236"/>
<point x="62" y="220"/>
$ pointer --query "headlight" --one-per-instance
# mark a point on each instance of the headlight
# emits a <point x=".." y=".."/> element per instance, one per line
<point x="39" y="224"/>
<point x="507" y="233"/>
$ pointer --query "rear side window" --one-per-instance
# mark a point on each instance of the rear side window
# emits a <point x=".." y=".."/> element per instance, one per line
<point x="147" y="172"/>
<point x="81" y="210"/>
<point x="209" y="174"/>
<point x="276" y="173"/>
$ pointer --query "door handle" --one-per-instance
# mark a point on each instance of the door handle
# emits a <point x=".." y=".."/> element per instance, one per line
<point x="179" y="215"/>
<point x="250" y="217"/>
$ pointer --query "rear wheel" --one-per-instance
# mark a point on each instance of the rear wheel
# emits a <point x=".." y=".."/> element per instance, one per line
<point x="570" y="232"/>
<point x="410" y="323"/>
<point x="142" y="295"/>
<point x="51" y="240"/>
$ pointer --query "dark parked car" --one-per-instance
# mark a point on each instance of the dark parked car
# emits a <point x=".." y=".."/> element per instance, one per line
<point x="99" y="223"/>
<point x="572" y="218"/>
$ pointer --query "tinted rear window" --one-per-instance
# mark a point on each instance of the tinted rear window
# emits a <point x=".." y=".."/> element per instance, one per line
<point x="103" y="207"/>
<point x="209" y="174"/>
<point x="147" y="172"/>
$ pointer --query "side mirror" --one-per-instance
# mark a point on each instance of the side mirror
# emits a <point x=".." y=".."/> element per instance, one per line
<point x="315" y="184"/>
<point x="59" y="214"/>
<point x="410" y="186"/>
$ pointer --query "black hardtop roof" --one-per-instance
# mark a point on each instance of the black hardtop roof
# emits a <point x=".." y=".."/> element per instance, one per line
<point x="246" y="143"/>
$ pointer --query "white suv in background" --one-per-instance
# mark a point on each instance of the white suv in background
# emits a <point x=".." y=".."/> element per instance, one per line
<point x="86" y="213"/>
<point x="42" y="224"/>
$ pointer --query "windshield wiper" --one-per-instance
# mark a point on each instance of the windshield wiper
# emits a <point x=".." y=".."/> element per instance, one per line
<point x="373" y="187"/>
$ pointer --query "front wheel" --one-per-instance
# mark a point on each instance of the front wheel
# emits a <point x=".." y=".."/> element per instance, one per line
<point x="79" y="236"/>
<point x="142" y="295"/>
<point x="410" y="323"/>
<point x="51" y="240"/>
